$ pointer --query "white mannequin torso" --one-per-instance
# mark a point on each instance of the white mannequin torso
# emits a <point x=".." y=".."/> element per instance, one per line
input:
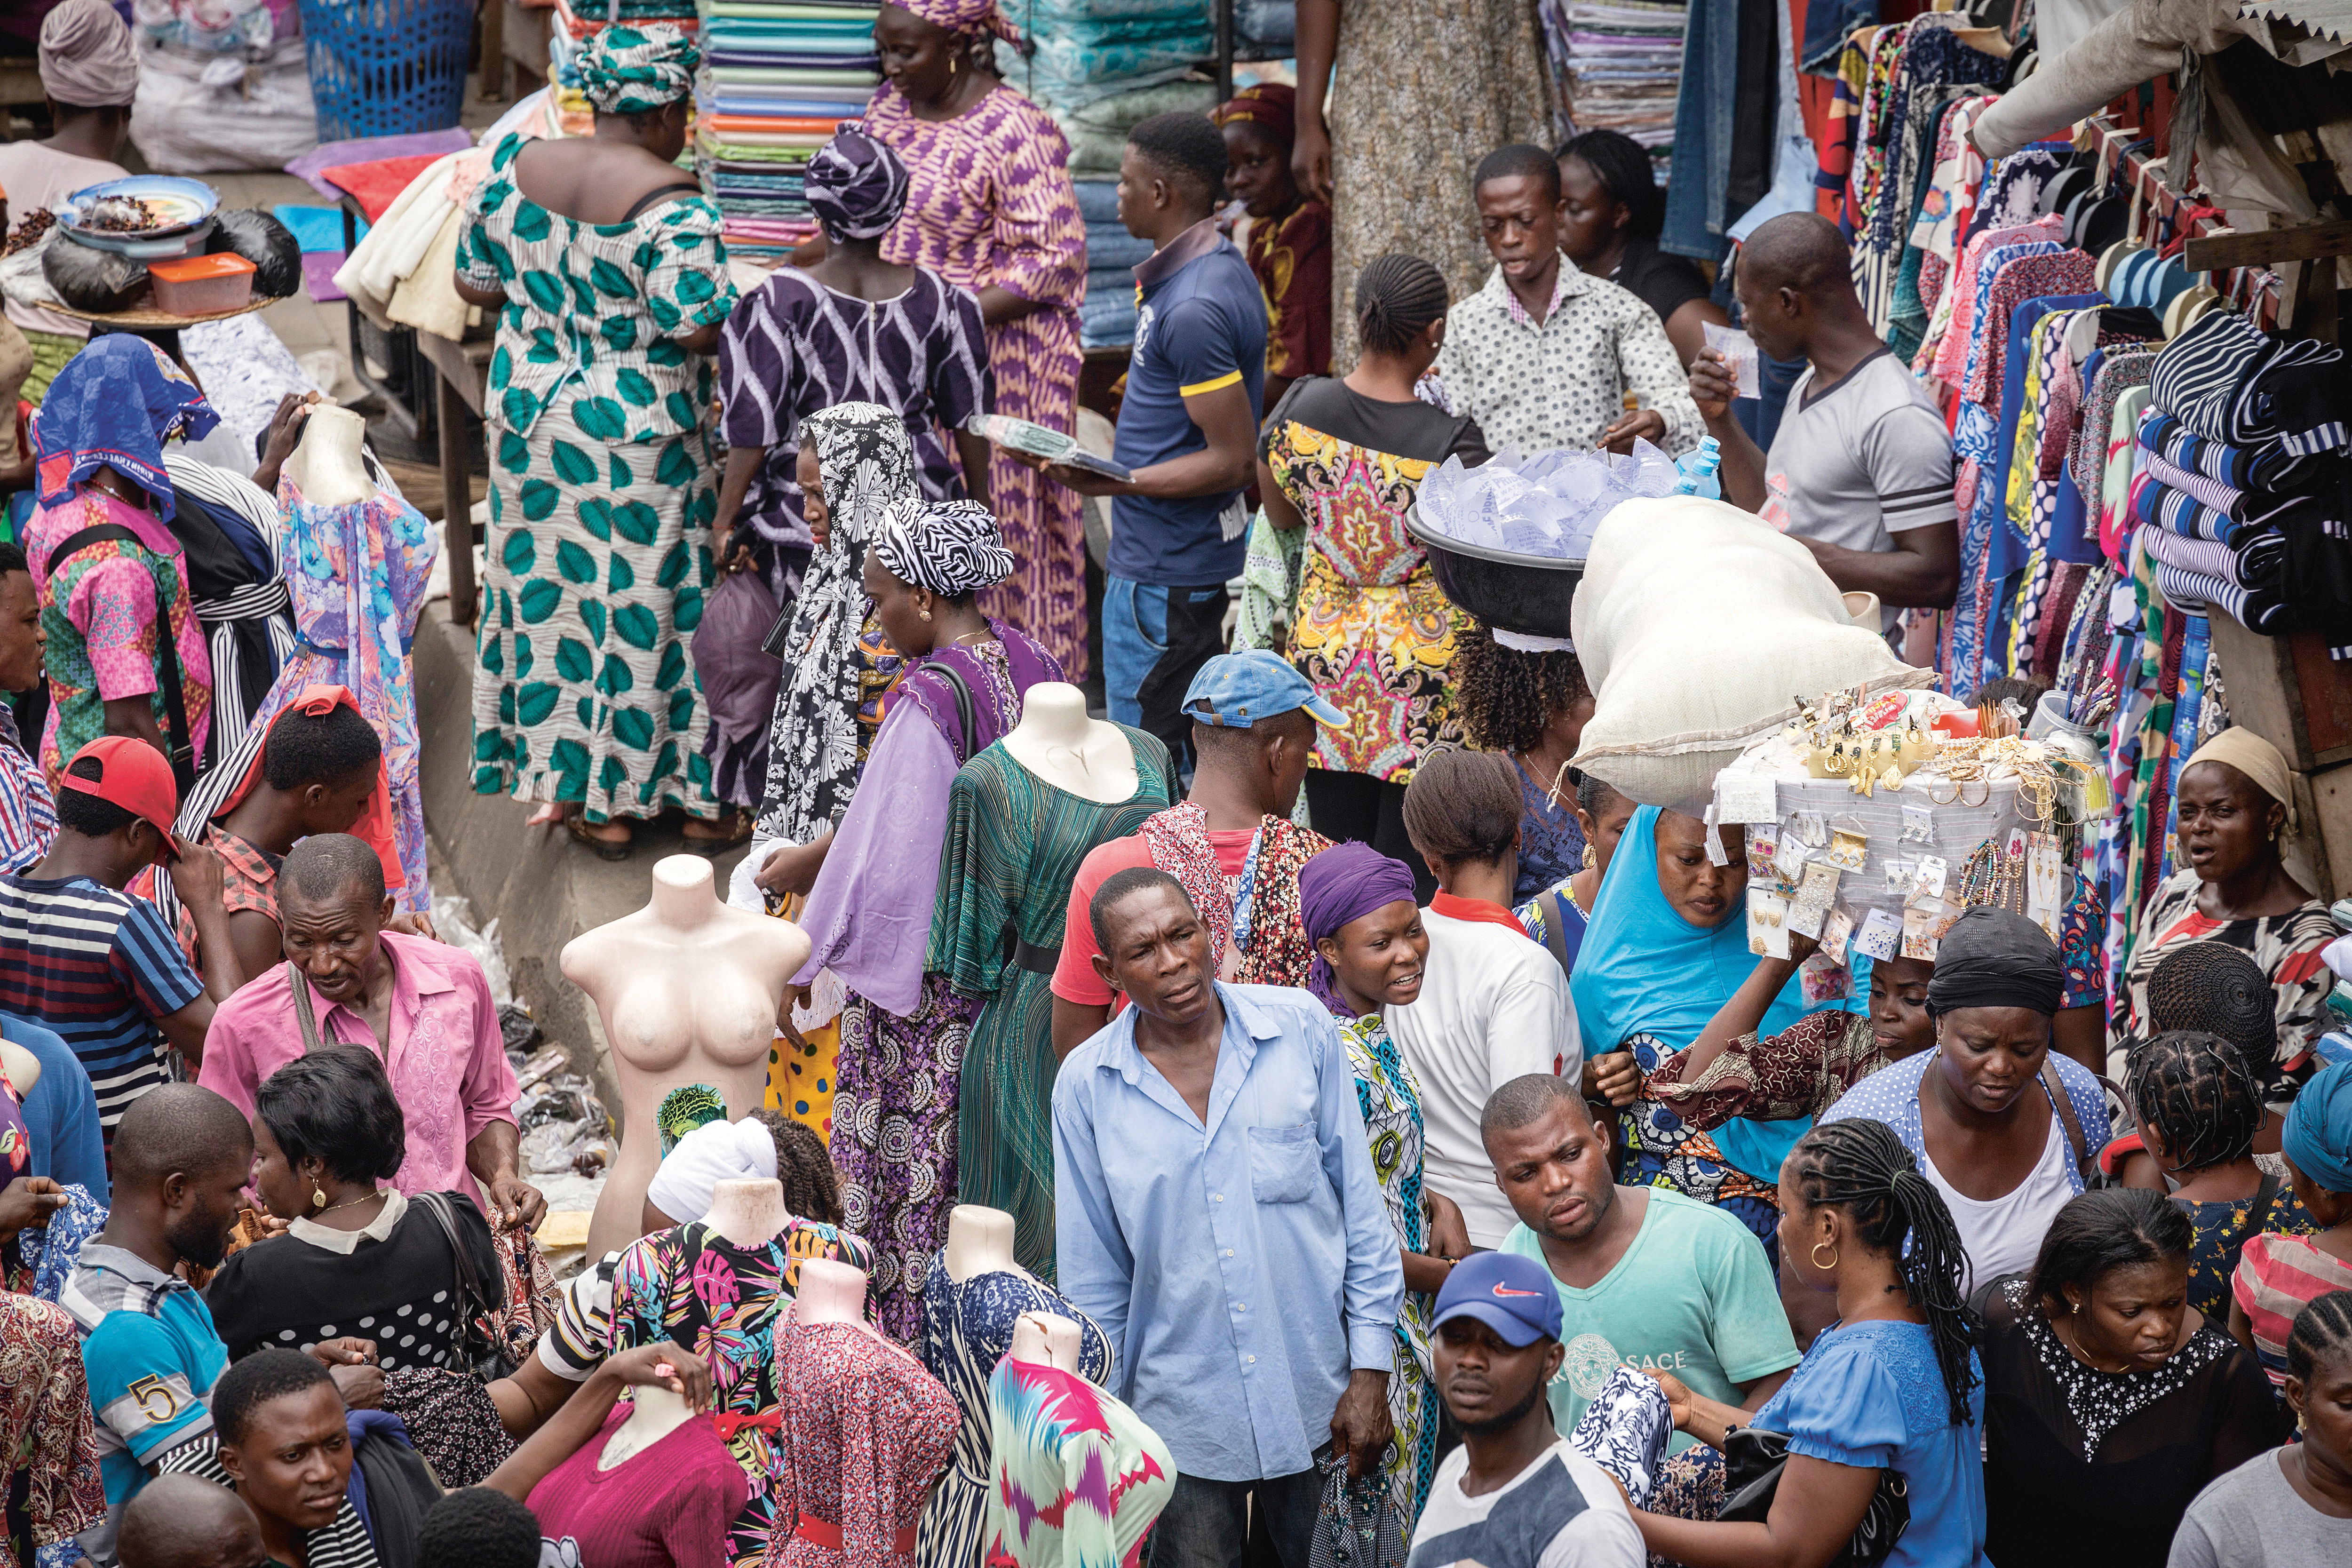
<point x="657" y="1413"/>
<point x="1045" y="1337"/>
<point x="832" y="1292"/>
<point x="748" y="1210"/>
<point x="24" y="1069"/>
<point x="1055" y="741"/>
<point x="688" y="990"/>
<point x="980" y="1241"/>
<point x="325" y="465"/>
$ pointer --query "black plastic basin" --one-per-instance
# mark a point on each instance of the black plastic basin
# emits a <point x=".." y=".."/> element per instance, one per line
<point x="1530" y="595"/>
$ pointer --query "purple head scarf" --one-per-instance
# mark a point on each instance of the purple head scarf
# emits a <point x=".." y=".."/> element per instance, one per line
<point x="855" y="186"/>
<point x="962" y="15"/>
<point x="1344" y="883"/>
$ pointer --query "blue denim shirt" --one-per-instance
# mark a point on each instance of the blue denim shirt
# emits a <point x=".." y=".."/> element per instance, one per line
<point x="1242" y="1269"/>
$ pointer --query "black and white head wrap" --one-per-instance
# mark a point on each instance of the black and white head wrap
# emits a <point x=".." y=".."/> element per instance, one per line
<point x="855" y="186"/>
<point x="949" y="547"/>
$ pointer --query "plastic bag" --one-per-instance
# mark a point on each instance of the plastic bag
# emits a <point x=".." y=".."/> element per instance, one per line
<point x="270" y="245"/>
<point x="88" y="279"/>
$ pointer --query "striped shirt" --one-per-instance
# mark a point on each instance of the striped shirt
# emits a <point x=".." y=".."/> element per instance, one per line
<point x="100" y="968"/>
<point x="28" y="813"/>
<point x="2279" y="1276"/>
<point x="576" y="1343"/>
<point x="343" y="1544"/>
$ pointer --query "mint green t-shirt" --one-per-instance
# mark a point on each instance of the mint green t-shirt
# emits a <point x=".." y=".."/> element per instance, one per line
<point x="1693" y="1296"/>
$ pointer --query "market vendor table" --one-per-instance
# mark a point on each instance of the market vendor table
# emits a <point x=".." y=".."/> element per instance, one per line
<point x="459" y="371"/>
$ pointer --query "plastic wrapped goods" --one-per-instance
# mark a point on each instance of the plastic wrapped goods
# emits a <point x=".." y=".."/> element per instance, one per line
<point x="1550" y="504"/>
<point x="270" y="245"/>
<point x="195" y="114"/>
<point x="88" y="279"/>
<point x="1696" y="624"/>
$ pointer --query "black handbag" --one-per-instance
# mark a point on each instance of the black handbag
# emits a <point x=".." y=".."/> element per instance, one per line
<point x="1752" y="1463"/>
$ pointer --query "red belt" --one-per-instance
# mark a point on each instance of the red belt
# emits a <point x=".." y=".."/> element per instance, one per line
<point x="812" y="1529"/>
<point x="726" y="1423"/>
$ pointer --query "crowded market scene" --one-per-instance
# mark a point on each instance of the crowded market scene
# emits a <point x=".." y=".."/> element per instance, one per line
<point x="1175" y="784"/>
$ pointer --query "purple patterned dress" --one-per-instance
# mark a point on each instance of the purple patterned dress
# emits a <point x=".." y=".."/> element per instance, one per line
<point x="989" y="205"/>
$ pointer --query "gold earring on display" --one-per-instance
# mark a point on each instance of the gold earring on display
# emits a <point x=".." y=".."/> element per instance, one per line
<point x="1833" y="1263"/>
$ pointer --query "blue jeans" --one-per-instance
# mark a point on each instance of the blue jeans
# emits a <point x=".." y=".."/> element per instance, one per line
<point x="1155" y="639"/>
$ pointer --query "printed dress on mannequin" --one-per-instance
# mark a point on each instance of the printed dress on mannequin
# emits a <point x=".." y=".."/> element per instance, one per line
<point x="1077" y="1477"/>
<point x="865" y="1429"/>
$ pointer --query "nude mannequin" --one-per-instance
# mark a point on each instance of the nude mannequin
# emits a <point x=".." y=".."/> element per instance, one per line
<point x="748" y="1210"/>
<point x="1057" y="743"/>
<point x="980" y="1241"/>
<point x="658" y="1411"/>
<point x="326" y="465"/>
<point x="833" y="1292"/>
<point x="688" y="990"/>
<point x="1045" y="1337"/>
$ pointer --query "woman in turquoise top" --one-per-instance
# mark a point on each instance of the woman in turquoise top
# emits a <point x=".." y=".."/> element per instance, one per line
<point x="605" y="262"/>
<point x="1665" y="949"/>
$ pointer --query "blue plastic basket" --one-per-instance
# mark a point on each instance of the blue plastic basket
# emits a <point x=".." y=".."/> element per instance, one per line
<point x="387" y="67"/>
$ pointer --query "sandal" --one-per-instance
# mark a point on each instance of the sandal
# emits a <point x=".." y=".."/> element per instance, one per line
<point x="739" y="831"/>
<point x="605" y="848"/>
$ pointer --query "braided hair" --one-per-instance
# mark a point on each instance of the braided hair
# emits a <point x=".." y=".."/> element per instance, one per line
<point x="1592" y="792"/>
<point x="2196" y="1090"/>
<point x="1862" y="1167"/>
<point x="2322" y="1330"/>
<point x="1397" y="295"/>
<point x="812" y="1186"/>
<point x="1507" y="697"/>
<point x="2217" y="989"/>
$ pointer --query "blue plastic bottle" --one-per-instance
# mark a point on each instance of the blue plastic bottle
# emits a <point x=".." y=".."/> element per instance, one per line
<point x="1698" y="470"/>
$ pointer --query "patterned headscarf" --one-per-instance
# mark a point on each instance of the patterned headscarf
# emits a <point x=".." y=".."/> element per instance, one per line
<point x="961" y="16"/>
<point x="1345" y="883"/>
<point x="864" y="463"/>
<point x="1271" y="104"/>
<point x="949" y="547"/>
<point x="114" y="405"/>
<point x="856" y="184"/>
<point x="628" y="69"/>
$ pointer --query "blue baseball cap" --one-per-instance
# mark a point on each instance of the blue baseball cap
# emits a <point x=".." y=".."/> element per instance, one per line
<point x="1512" y="1295"/>
<point x="1235" y="690"/>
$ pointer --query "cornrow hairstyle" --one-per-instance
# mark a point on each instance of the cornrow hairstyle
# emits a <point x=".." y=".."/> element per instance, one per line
<point x="2322" y="1332"/>
<point x="1516" y="160"/>
<point x="2196" y="1090"/>
<point x="1623" y="168"/>
<point x="1592" y="792"/>
<point x="1463" y="806"/>
<point x="1506" y="697"/>
<point x="2217" y="989"/>
<point x="2099" y="1231"/>
<point x="1397" y="295"/>
<point x="812" y="1186"/>
<point x="1184" y="146"/>
<point x="1862" y="1167"/>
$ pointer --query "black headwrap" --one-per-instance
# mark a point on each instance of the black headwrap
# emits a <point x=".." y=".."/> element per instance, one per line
<point x="1996" y="958"/>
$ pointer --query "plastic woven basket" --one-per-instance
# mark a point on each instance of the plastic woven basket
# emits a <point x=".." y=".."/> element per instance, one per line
<point x="387" y="67"/>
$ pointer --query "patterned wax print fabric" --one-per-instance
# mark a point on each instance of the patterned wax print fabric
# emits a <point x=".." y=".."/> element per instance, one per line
<point x="2286" y="947"/>
<point x="1291" y="256"/>
<point x="693" y="1286"/>
<point x="358" y="574"/>
<point x="1254" y="915"/>
<point x="1661" y="1149"/>
<point x="967" y="1330"/>
<point x="1013" y="850"/>
<point x="865" y="1428"/>
<point x="2223" y="1228"/>
<point x="601" y="491"/>
<point x="990" y="205"/>
<point x="46" y="1429"/>
<point x="1390" y="1101"/>
<point x="1077" y="1477"/>
<point x="1799" y="1072"/>
<point x="1372" y="630"/>
<point x="98" y="612"/>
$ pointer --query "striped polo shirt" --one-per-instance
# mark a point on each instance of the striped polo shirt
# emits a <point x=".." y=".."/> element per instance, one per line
<point x="2279" y="1276"/>
<point x="98" y="967"/>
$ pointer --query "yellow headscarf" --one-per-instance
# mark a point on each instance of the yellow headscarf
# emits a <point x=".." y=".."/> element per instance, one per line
<point x="2254" y="757"/>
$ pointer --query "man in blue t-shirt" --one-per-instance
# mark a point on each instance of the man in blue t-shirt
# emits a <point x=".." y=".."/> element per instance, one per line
<point x="1187" y="428"/>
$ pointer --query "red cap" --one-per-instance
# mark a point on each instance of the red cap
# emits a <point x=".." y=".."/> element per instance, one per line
<point x="133" y="775"/>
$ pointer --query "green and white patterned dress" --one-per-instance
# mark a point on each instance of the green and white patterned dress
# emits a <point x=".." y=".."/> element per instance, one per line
<point x="1389" y="1097"/>
<point x="602" y="494"/>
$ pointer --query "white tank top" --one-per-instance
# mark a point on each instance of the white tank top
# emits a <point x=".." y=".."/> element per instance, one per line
<point x="2003" y="1235"/>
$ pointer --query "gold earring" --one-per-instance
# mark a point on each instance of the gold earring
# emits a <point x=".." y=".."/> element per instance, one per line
<point x="2077" y="1308"/>
<point x="318" y="1196"/>
<point x="1591" y="857"/>
<point x="1833" y="1263"/>
<point x="925" y="614"/>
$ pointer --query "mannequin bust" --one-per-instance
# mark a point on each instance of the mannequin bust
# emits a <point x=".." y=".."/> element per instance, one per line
<point x="832" y="1292"/>
<point x="748" y="1210"/>
<point x="23" y="1069"/>
<point x="326" y="465"/>
<point x="1055" y="741"/>
<point x="658" y="1412"/>
<point x="980" y="1241"/>
<point x="1047" y="1337"/>
<point x="688" y="990"/>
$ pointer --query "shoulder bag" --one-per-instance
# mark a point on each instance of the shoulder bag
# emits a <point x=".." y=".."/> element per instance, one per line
<point x="477" y="1347"/>
<point x="1752" y="1463"/>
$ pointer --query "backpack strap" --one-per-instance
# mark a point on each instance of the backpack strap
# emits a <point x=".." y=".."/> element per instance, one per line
<point x="304" y="1014"/>
<point x="2063" y="1104"/>
<point x="1553" y="904"/>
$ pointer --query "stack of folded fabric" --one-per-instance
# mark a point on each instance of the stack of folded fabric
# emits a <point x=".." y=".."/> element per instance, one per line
<point x="1106" y="316"/>
<point x="1082" y="50"/>
<point x="1618" y="66"/>
<point x="777" y="77"/>
<point x="2243" y="486"/>
<point x="577" y="21"/>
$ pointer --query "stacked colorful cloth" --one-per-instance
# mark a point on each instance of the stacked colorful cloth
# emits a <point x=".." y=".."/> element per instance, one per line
<point x="1082" y="50"/>
<point x="777" y="77"/>
<point x="1618" y="66"/>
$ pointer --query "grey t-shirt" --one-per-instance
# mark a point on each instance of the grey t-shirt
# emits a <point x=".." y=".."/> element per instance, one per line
<point x="2251" y="1518"/>
<point x="1860" y="460"/>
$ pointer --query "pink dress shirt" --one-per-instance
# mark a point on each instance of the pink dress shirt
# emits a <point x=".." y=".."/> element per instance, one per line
<point x="447" y="1065"/>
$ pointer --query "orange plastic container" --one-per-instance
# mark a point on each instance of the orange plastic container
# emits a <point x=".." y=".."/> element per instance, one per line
<point x="202" y="284"/>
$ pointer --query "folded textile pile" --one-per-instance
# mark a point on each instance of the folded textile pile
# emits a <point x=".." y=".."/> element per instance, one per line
<point x="1618" y="66"/>
<point x="585" y="18"/>
<point x="1079" y="51"/>
<point x="1107" y="315"/>
<point x="777" y="77"/>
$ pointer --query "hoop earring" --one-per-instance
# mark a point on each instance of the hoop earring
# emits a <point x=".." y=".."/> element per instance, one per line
<point x="1816" y="1255"/>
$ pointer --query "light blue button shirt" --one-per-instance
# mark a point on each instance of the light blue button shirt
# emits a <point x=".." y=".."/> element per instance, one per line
<point x="1242" y="1269"/>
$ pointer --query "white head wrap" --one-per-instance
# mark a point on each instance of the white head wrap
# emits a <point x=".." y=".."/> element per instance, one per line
<point x="714" y="1152"/>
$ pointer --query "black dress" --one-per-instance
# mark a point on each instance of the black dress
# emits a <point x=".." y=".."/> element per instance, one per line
<point x="2084" y="1467"/>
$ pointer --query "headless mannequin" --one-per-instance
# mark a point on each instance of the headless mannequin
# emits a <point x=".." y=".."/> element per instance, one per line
<point x="748" y="1210"/>
<point x="658" y="1410"/>
<point x="1047" y="1337"/>
<point x="1056" y="742"/>
<point x="980" y="1241"/>
<point x="833" y="1292"/>
<point x="689" y="991"/>
<point x="326" y="465"/>
<point x="23" y="1069"/>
